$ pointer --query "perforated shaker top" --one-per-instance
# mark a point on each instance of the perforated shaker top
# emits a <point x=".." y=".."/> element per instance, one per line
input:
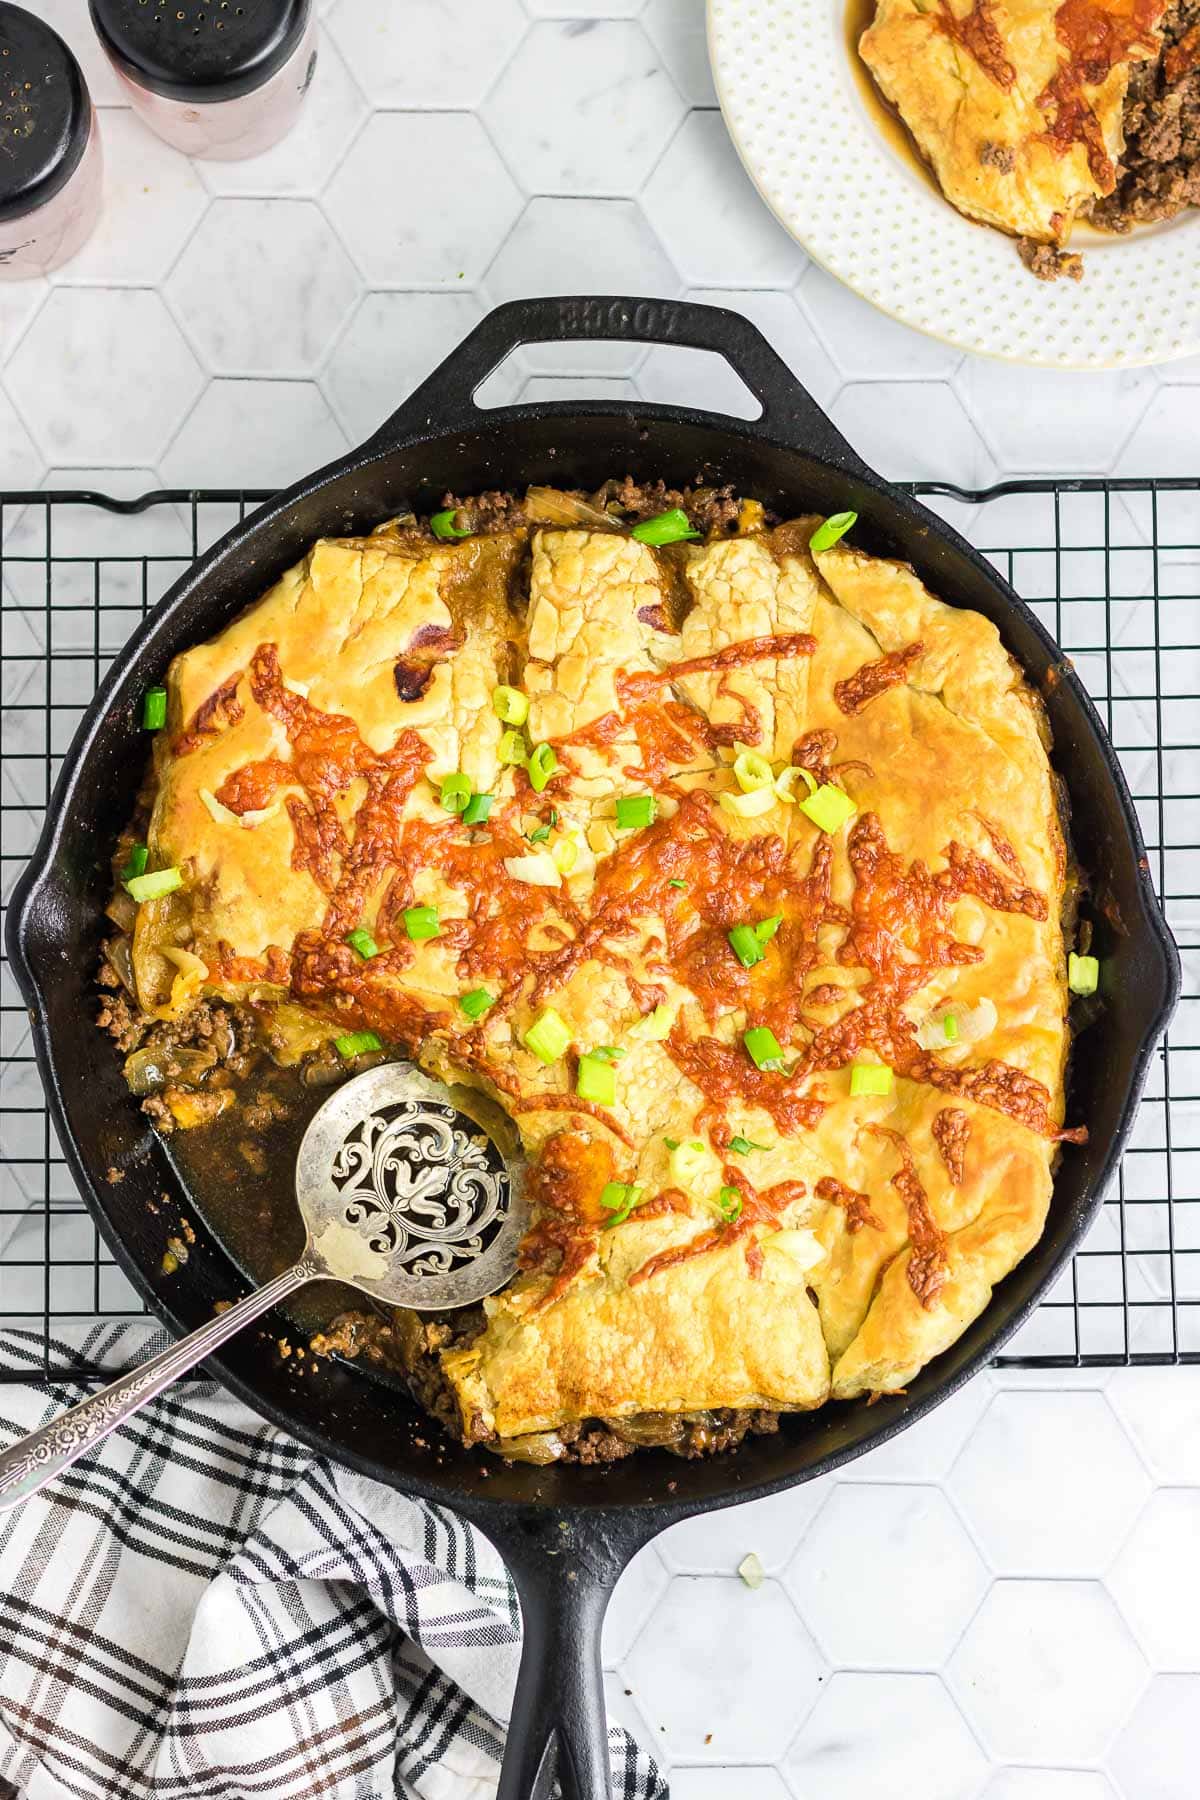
<point x="200" y="50"/>
<point x="45" y="113"/>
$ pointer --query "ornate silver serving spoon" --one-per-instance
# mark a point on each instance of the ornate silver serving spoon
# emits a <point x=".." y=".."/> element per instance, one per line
<point x="402" y="1196"/>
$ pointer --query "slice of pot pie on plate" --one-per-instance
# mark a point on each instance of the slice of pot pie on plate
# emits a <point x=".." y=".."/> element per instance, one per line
<point x="729" y="868"/>
<point x="1016" y="105"/>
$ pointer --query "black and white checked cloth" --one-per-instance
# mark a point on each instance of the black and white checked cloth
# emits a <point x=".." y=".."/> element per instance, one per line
<point x="205" y="1608"/>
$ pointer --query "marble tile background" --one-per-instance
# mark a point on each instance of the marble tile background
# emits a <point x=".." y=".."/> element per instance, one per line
<point x="1004" y="1604"/>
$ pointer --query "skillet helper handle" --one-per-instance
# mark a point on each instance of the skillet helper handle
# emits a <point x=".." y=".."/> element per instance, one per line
<point x="446" y="398"/>
<point x="33" y="1461"/>
<point x="565" y="1567"/>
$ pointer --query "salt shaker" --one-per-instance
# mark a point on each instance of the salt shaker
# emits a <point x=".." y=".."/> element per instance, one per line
<point x="50" y="165"/>
<point x="219" y="79"/>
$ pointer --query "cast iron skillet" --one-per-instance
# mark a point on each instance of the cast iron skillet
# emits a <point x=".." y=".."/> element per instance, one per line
<point x="566" y="1533"/>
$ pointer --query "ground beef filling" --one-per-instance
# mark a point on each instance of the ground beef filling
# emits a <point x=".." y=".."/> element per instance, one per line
<point x="1159" y="172"/>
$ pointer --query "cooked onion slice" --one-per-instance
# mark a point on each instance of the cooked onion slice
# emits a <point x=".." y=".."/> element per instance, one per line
<point x="538" y="869"/>
<point x="553" y="506"/>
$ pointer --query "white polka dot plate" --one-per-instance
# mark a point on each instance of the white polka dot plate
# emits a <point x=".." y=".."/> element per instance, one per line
<point x="804" y="127"/>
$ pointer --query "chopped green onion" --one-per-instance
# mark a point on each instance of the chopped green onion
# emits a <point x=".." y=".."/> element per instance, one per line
<point x="744" y="942"/>
<point x="553" y="816"/>
<point x="729" y="1204"/>
<point x="154" y="709"/>
<point x="356" y="1043"/>
<point x="870" y="1078"/>
<point x="619" y="1198"/>
<point x="656" y="1025"/>
<point x="510" y="705"/>
<point x="477" y="808"/>
<point x="548" y="1036"/>
<point x="456" y="793"/>
<point x="752" y="772"/>
<point x="361" y="940"/>
<point x="442" y="524"/>
<point x="539" y="836"/>
<point x="596" y="1080"/>
<point x="676" y="883"/>
<point x="765" y="930"/>
<point x="950" y="1028"/>
<point x="511" y="750"/>
<point x="565" y="854"/>
<point x="610" y="1053"/>
<point x="476" y="1003"/>
<point x="744" y="1145"/>
<point x="154" y="885"/>
<point x="421" y="922"/>
<point x="542" y="763"/>
<point x="1083" y="974"/>
<point x="763" y="1047"/>
<point x="748" y="806"/>
<point x="785" y="783"/>
<point x="829" y="807"/>
<point x="671" y="1143"/>
<point x="836" y="526"/>
<point x="139" y="856"/>
<point x="671" y="527"/>
<point x="634" y="811"/>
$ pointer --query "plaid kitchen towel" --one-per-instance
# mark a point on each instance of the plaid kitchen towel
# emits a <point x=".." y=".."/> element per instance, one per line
<point x="205" y="1608"/>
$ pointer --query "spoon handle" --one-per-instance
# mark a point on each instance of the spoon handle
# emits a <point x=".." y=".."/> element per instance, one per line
<point x="34" y="1460"/>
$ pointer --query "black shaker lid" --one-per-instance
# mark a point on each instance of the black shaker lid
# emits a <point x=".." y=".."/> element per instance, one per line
<point x="200" y="50"/>
<point x="45" y="112"/>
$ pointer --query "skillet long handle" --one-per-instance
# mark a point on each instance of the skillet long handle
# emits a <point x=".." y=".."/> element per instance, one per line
<point x="559" y="1725"/>
<point x="565" y="1566"/>
<point x="33" y="1461"/>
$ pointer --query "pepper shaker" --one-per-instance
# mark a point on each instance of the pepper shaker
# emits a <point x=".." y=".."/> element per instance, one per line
<point x="218" y="79"/>
<point x="50" y="164"/>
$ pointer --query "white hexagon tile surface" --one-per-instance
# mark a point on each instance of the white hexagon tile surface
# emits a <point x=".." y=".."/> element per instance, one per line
<point x="1001" y="1604"/>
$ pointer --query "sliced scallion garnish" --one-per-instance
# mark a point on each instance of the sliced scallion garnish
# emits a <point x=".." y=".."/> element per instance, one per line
<point x="744" y="1145"/>
<point x="421" y="922"/>
<point x="835" y="527"/>
<point x="596" y="1080"/>
<point x="635" y="811"/>
<point x="744" y="942"/>
<point x="752" y="771"/>
<point x="729" y="1204"/>
<point x="870" y="1078"/>
<point x="671" y="527"/>
<point x="1083" y="974"/>
<point x="356" y="1043"/>
<point x="543" y="760"/>
<point x="763" y="1048"/>
<point x="548" y="1036"/>
<point x="829" y="807"/>
<point x="443" y="524"/>
<point x="154" y="709"/>
<point x="510" y="705"/>
<point x="456" y="792"/>
<point x="477" y="808"/>
<point x="139" y="856"/>
<point x="155" y="885"/>
<point x="476" y="1003"/>
<point x="511" y="750"/>
<point x="361" y="940"/>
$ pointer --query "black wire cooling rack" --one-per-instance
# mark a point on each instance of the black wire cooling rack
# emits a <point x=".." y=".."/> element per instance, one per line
<point x="1113" y="568"/>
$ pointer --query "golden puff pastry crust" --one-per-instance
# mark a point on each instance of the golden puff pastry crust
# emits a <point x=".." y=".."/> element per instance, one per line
<point x="814" y="1242"/>
<point x="1015" y="104"/>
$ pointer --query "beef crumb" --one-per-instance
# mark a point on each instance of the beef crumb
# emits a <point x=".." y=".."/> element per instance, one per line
<point x="998" y="156"/>
<point x="1049" y="263"/>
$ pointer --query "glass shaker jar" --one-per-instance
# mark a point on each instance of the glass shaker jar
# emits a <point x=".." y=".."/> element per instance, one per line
<point x="50" y="165"/>
<point x="221" y="79"/>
